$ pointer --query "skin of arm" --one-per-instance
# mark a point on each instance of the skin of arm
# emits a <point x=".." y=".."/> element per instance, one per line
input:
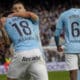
<point x="4" y="33"/>
<point x="26" y="14"/>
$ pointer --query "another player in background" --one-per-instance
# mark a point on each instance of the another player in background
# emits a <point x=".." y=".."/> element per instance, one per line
<point x="27" y="55"/>
<point x="69" y="21"/>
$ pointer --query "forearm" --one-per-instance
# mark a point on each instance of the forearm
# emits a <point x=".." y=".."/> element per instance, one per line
<point x="31" y="15"/>
<point x="5" y="36"/>
<point x="57" y="41"/>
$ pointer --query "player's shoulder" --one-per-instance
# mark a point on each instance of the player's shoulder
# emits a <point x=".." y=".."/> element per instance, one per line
<point x="34" y="22"/>
<point x="10" y="18"/>
<point x="14" y="19"/>
<point x="72" y="10"/>
<point x="65" y="13"/>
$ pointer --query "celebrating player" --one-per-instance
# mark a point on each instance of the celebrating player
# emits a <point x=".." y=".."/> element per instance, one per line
<point x="28" y="57"/>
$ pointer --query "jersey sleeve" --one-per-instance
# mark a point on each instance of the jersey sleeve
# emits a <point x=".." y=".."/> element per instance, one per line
<point x="35" y="21"/>
<point x="59" y="26"/>
<point x="37" y="32"/>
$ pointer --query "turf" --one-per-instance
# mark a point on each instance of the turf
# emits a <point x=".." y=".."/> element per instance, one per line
<point x="57" y="75"/>
<point x="60" y="75"/>
<point x="3" y="77"/>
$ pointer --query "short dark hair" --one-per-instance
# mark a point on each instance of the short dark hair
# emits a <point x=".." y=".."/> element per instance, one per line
<point x="17" y="2"/>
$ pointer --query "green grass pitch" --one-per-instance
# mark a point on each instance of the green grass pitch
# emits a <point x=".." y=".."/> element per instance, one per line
<point x="59" y="75"/>
<point x="55" y="75"/>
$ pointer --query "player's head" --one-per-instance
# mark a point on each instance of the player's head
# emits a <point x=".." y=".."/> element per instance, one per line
<point x="18" y="7"/>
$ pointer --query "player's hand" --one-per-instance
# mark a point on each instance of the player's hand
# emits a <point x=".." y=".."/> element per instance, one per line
<point x="60" y="49"/>
<point x="16" y="14"/>
<point x="10" y="15"/>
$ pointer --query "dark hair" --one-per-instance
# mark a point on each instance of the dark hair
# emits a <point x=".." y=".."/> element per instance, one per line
<point x="17" y="2"/>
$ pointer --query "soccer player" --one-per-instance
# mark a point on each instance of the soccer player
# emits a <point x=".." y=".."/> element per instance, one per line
<point x="28" y="57"/>
<point x="18" y="9"/>
<point x="69" y="22"/>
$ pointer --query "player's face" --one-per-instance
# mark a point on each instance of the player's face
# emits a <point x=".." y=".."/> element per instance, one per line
<point x="18" y="8"/>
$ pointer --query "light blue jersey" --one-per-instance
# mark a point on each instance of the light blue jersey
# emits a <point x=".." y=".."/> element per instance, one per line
<point x="23" y="33"/>
<point x="69" y="21"/>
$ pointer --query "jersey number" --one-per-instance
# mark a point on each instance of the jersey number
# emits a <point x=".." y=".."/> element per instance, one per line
<point x="25" y="27"/>
<point x="75" y="30"/>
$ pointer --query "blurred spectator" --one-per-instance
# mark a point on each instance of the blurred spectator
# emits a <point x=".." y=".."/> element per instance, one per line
<point x="2" y="59"/>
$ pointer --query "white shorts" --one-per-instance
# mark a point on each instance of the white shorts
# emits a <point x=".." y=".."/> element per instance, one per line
<point x="71" y="61"/>
<point x="29" y="63"/>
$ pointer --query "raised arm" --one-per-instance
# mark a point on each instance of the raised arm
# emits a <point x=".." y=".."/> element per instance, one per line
<point x="26" y="14"/>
